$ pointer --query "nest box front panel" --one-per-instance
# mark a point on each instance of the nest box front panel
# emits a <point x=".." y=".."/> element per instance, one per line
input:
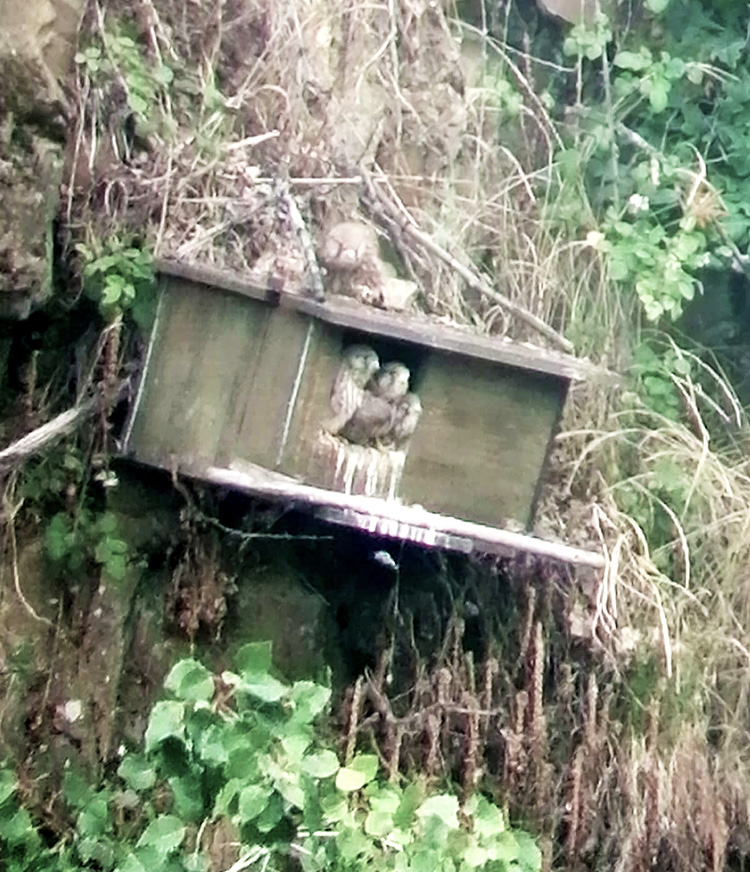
<point x="480" y="447"/>
<point x="217" y="382"/>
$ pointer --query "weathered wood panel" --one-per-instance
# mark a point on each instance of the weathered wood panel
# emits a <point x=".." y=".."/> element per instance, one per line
<point x="481" y="443"/>
<point x="267" y="390"/>
<point x="190" y="391"/>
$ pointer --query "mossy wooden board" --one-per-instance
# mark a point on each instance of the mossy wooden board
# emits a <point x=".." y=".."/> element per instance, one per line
<point x="218" y="379"/>
<point x="480" y="446"/>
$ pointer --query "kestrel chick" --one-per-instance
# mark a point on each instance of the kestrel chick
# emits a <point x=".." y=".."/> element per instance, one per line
<point x="405" y="419"/>
<point x="359" y="365"/>
<point x="391" y="382"/>
<point x="372" y="421"/>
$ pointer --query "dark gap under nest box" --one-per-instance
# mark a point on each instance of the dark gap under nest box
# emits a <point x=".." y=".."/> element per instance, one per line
<point x="236" y="390"/>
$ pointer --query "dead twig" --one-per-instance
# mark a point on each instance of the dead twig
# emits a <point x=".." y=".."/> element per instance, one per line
<point x="380" y="204"/>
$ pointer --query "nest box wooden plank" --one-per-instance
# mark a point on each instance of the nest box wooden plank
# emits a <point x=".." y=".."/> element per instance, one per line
<point x="236" y="375"/>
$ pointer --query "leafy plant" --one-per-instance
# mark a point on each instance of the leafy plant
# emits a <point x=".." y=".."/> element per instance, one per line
<point x="72" y="543"/>
<point x="120" y="58"/>
<point x="244" y="749"/>
<point x="120" y="278"/>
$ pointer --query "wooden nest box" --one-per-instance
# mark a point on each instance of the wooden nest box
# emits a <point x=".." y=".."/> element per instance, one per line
<point x="237" y="389"/>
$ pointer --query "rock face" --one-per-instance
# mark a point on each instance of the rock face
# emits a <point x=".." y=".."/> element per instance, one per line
<point x="37" y="46"/>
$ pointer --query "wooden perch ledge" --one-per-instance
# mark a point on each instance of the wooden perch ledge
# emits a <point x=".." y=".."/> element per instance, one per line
<point x="386" y="518"/>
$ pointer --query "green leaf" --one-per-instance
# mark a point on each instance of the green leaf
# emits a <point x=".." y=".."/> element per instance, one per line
<point x="16" y="829"/>
<point x="475" y="856"/>
<point x="505" y="847"/>
<point x="165" y="833"/>
<point x="367" y="764"/>
<point x="378" y="824"/>
<point x="116" y="567"/>
<point x="211" y="745"/>
<point x="7" y="785"/>
<point x="137" y="104"/>
<point x="226" y="797"/>
<point x="384" y="799"/>
<point x="631" y="60"/>
<point x="295" y="746"/>
<point x="410" y="802"/>
<point x="529" y="854"/>
<point x="112" y="290"/>
<point x="253" y="801"/>
<point x="309" y="700"/>
<point x="94" y="820"/>
<point x="167" y="719"/>
<point x="108" y="523"/>
<point x="76" y="789"/>
<point x="363" y="768"/>
<point x="443" y="806"/>
<point x="658" y="94"/>
<point x="254" y="657"/>
<point x="321" y="765"/>
<point x="55" y="536"/>
<point x="271" y="815"/>
<point x="190" y="680"/>
<point x="263" y="686"/>
<point x="656" y="6"/>
<point x="488" y="820"/>
<point x="348" y="779"/>
<point x="291" y="790"/>
<point x="188" y="797"/>
<point x="136" y="772"/>
<point x="352" y="844"/>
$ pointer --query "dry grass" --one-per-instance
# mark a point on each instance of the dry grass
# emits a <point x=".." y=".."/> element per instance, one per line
<point x="617" y="718"/>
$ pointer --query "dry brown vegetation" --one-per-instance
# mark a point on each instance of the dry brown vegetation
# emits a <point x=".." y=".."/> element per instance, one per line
<point x="614" y="716"/>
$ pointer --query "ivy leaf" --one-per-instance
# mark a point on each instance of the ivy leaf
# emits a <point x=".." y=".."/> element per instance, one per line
<point x="188" y="797"/>
<point x="505" y="848"/>
<point x="212" y="746"/>
<point x="309" y="700"/>
<point x="136" y="772"/>
<point x="227" y="794"/>
<point x="378" y="824"/>
<point x="291" y="790"/>
<point x="529" y="854"/>
<point x="254" y="657"/>
<point x="56" y="536"/>
<point x="321" y="765"/>
<point x="253" y="801"/>
<point x="475" y="856"/>
<point x="632" y="60"/>
<point x="165" y="833"/>
<point x="658" y="94"/>
<point x="488" y="820"/>
<point x="443" y="806"/>
<point x="15" y="830"/>
<point x="190" y="680"/>
<point x="271" y="815"/>
<point x="7" y="785"/>
<point x="94" y="820"/>
<point x="263" y="686"/>
<point x="137" y="104"/>
<point x="167" y="719"/>
<point x="295" y="746"/>
<point x="353" y="844"/>
<point x="362" y="769"/>
<point x="384" y="799"/>
<point x="116" y="567"/>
